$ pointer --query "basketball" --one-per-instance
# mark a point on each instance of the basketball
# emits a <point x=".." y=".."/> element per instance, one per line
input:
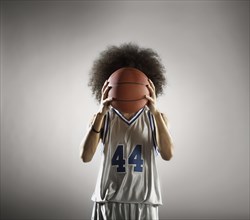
<point x="128" y="89"/>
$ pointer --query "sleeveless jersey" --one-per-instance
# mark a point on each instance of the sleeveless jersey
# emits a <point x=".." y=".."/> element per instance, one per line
<point x="128" y="171"/>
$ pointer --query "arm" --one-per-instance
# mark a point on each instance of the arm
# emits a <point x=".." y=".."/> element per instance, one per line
<point x="91" y="140"/>
<point x="163" y="137"/>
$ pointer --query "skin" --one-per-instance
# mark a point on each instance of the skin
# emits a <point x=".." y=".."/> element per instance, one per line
<point x="91" y="140"/>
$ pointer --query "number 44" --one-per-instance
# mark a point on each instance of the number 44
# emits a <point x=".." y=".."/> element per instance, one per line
<point x="135" y="159"/>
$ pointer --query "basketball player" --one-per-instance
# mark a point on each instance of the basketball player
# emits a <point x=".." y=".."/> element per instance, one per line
<point x="128" y="185"/>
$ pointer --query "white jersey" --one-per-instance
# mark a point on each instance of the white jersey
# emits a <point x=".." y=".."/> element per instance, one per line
<point x="128" y="171"/>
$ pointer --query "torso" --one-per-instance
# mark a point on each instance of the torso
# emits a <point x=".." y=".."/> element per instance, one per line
<point x="128" y="171"/>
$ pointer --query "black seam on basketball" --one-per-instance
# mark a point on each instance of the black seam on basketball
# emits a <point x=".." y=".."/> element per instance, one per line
<point x="122" y="83"/>
<point x="125" y="100"/>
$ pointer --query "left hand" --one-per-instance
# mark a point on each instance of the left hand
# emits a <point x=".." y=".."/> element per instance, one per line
<point x="152" y="98"/>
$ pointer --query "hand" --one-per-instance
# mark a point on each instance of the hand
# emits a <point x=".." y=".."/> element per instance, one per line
<point x="152" y="98"/>
<point x="105" y="100"/>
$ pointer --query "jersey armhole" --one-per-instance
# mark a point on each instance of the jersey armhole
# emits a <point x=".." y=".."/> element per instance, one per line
<point x="153" y="130"/>
<point x="105" y="128"/>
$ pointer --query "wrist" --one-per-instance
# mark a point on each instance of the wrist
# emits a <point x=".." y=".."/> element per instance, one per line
<point x="155" y="112"/>
<point x="100" y="114"/>
<point x="97" y="122"/>
<point x="95" y="131"/>
<point x="102" y="111"/>
<point x="161" y="116"/>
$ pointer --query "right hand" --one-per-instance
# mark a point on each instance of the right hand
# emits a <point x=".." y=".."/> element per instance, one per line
<point x="105" y="100"/>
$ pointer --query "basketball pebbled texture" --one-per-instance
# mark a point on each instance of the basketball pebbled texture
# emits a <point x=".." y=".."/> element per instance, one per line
<point x="128" y="89"/>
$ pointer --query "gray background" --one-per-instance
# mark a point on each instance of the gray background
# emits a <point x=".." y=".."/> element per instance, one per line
<point x="47" y="49"/>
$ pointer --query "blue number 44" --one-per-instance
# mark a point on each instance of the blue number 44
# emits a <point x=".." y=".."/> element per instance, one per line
<point x="135" y="159"/>
<point x="118" y="159"/>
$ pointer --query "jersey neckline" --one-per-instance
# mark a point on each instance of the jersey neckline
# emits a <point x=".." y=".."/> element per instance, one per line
<point x="131" y="120"/>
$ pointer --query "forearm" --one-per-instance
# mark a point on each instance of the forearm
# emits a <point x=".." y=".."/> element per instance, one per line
<point x="163" y="137"/>
<point x="91" y="140"/>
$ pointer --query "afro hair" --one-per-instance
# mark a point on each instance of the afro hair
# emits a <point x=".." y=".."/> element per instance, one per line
<point x="126" y="55"/>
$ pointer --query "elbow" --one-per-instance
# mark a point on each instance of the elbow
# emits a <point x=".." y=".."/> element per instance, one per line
<point x="85" y="158"/>
<point x="166" y="156"/>
<point x="167" y="152"/>
<point x="85" y="155"/>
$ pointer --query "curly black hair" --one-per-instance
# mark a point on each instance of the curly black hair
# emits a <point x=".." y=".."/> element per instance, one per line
<point x="127" y="55"/>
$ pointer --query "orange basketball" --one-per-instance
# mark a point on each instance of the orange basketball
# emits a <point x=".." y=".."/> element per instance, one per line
<point x="128" y="89"/>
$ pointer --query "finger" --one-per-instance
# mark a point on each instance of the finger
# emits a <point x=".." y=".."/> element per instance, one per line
<point x="150" y="99"/>
<point x="105" y="85"/>
<point x="106" y="91"/>
<point x="107" y="101"/>
<point x="151" y="91"/>
<point x="151" y="84"/>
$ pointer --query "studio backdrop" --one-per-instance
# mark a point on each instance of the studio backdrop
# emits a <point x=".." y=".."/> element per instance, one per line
<point x="47" y="50"/>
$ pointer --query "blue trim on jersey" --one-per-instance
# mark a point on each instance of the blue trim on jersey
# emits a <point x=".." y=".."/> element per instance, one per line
<point x="152" y="125"/>
<point x="129" y="122"/>
<point x="106" y="125"/>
